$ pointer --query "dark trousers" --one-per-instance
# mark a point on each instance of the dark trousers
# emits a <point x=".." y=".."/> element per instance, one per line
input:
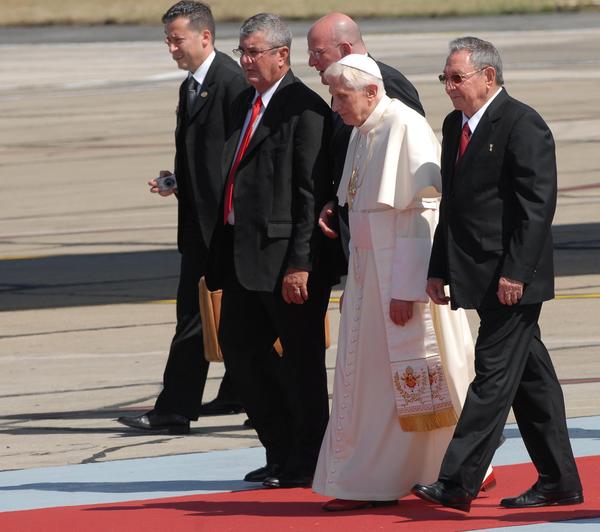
<point x="285" y="397"/>
<point x="185" y="374"/>
<point x="512" y="368"/>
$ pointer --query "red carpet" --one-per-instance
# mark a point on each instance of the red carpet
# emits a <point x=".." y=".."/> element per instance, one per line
<point x="299" y="509"/>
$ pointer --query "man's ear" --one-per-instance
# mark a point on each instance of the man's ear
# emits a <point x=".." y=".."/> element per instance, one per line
<point x="371" y="91"/>
<point x="490" y="76"/>
<point x="284" y="54"/>
<point x="345" y="48"/>
<point x="206" y="37"/>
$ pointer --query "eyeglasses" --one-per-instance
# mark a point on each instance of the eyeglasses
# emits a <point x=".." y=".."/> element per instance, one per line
<point x="318" y="53"/>
<point x="253" y="55"/>
<point x="457" y="79"/>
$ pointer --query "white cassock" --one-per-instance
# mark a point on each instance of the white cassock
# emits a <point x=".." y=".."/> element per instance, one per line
<point x="393" y="200"/>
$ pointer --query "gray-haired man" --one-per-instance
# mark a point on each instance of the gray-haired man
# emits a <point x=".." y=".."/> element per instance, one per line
<point x="267" y="255"/>
<point x="493" y="247"/>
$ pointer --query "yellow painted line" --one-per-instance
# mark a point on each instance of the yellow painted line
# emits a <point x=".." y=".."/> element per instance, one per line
<point x="337" y="299"/>
<point x="558" y="296"/>
<point x="173" y="301"/>
<point x="578" y="296"/>
<point x="26" y="257"/>
<point x="331" y="300"/>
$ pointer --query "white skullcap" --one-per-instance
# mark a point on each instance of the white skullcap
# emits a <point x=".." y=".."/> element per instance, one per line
<point x="363" y="63"/>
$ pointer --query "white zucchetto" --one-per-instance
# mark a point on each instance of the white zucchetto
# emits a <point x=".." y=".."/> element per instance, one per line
<point x="363" y="63"/>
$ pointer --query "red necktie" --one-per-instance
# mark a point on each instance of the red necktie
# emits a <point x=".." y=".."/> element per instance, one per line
<point x="465" y="137"/>
<point x="228" y="205"/>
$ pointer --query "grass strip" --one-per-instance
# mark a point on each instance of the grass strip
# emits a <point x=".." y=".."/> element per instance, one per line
<point x="48" y="12"/>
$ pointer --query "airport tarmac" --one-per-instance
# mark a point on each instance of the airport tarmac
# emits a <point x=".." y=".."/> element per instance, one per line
<point x="88" y="265"/>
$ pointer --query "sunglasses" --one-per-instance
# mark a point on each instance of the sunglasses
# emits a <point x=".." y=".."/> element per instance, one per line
<point x="457" y="79"/>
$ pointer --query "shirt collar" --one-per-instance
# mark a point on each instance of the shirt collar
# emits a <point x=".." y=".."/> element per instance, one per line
<point x="268" y="94"/>
<point x="474" y="120"/>
<point x="375" y="116"/>
<point x="202" y="70"/>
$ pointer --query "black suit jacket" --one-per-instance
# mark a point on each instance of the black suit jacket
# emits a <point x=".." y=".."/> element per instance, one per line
<point x="279" y="188"/>
<point x="200" y="138"/>
<point x="396" y="86"/>
<point x="497" y="206"/>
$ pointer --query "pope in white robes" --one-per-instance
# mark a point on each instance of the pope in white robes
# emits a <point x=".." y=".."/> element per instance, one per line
<point x="403" y="365"/>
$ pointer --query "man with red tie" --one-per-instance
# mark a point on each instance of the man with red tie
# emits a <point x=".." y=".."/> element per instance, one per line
<point x="493" y="247"/>
<point x="266" y="255"/>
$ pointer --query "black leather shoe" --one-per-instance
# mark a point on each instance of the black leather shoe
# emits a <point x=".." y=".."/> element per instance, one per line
<point x="262" y="473"/>
<point x="534" y="497"/>
<point x="218" y="407"/>
<point x="450" y="496"/>
<point x="173" y="423"/>
<point x="284" y="481"/>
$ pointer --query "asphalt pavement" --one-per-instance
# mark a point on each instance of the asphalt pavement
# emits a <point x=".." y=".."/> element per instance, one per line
<point x="88" y="265"/>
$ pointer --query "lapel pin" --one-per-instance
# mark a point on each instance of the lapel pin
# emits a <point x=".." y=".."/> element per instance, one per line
<point x="204" y="94"/>
<point x="491" y="147"/>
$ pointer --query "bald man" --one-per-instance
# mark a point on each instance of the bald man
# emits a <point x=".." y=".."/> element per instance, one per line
<point x="329" y="39"/>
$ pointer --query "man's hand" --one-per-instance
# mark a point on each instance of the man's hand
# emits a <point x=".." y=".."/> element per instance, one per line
<point x="401" y="311"/>
<point x="509" y="292"/>
<point x="435" y="290"/>
<point x="154" y="185"/>
<point x="294" y="286"/>
<point x="326" y="219"/>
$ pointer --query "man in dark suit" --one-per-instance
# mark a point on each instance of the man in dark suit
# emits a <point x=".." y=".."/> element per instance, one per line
<point x="205" y="97"/>
<point x="329" y="39"/>
<point x="267" y="255"/>
<point x="493" y="246"/>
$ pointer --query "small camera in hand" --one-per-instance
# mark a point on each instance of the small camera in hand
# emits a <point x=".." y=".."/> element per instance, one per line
<point x="166" y="183"/>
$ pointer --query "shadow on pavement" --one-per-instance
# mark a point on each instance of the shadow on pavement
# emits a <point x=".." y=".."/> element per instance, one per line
<point x="574" y="433"/>
<point x="90" y="279"/>
<point x="577" y="249"/>
<point x="226" y="431"/>
<point x="111" y="278"/>
<point x="135" y="487"/>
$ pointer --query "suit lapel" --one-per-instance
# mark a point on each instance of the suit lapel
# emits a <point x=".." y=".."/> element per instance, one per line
<point x="451" y="140"/>
<point x="207" y="87"/>
<point x="482" y="133"/>
<point x="263" y="129"/>
<point x="270" y="116"/>
<point x="493" y="112"/>
<point x="201" y="99"/>
<point x="181" y="107"/>
<point x="245" y="101"/>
